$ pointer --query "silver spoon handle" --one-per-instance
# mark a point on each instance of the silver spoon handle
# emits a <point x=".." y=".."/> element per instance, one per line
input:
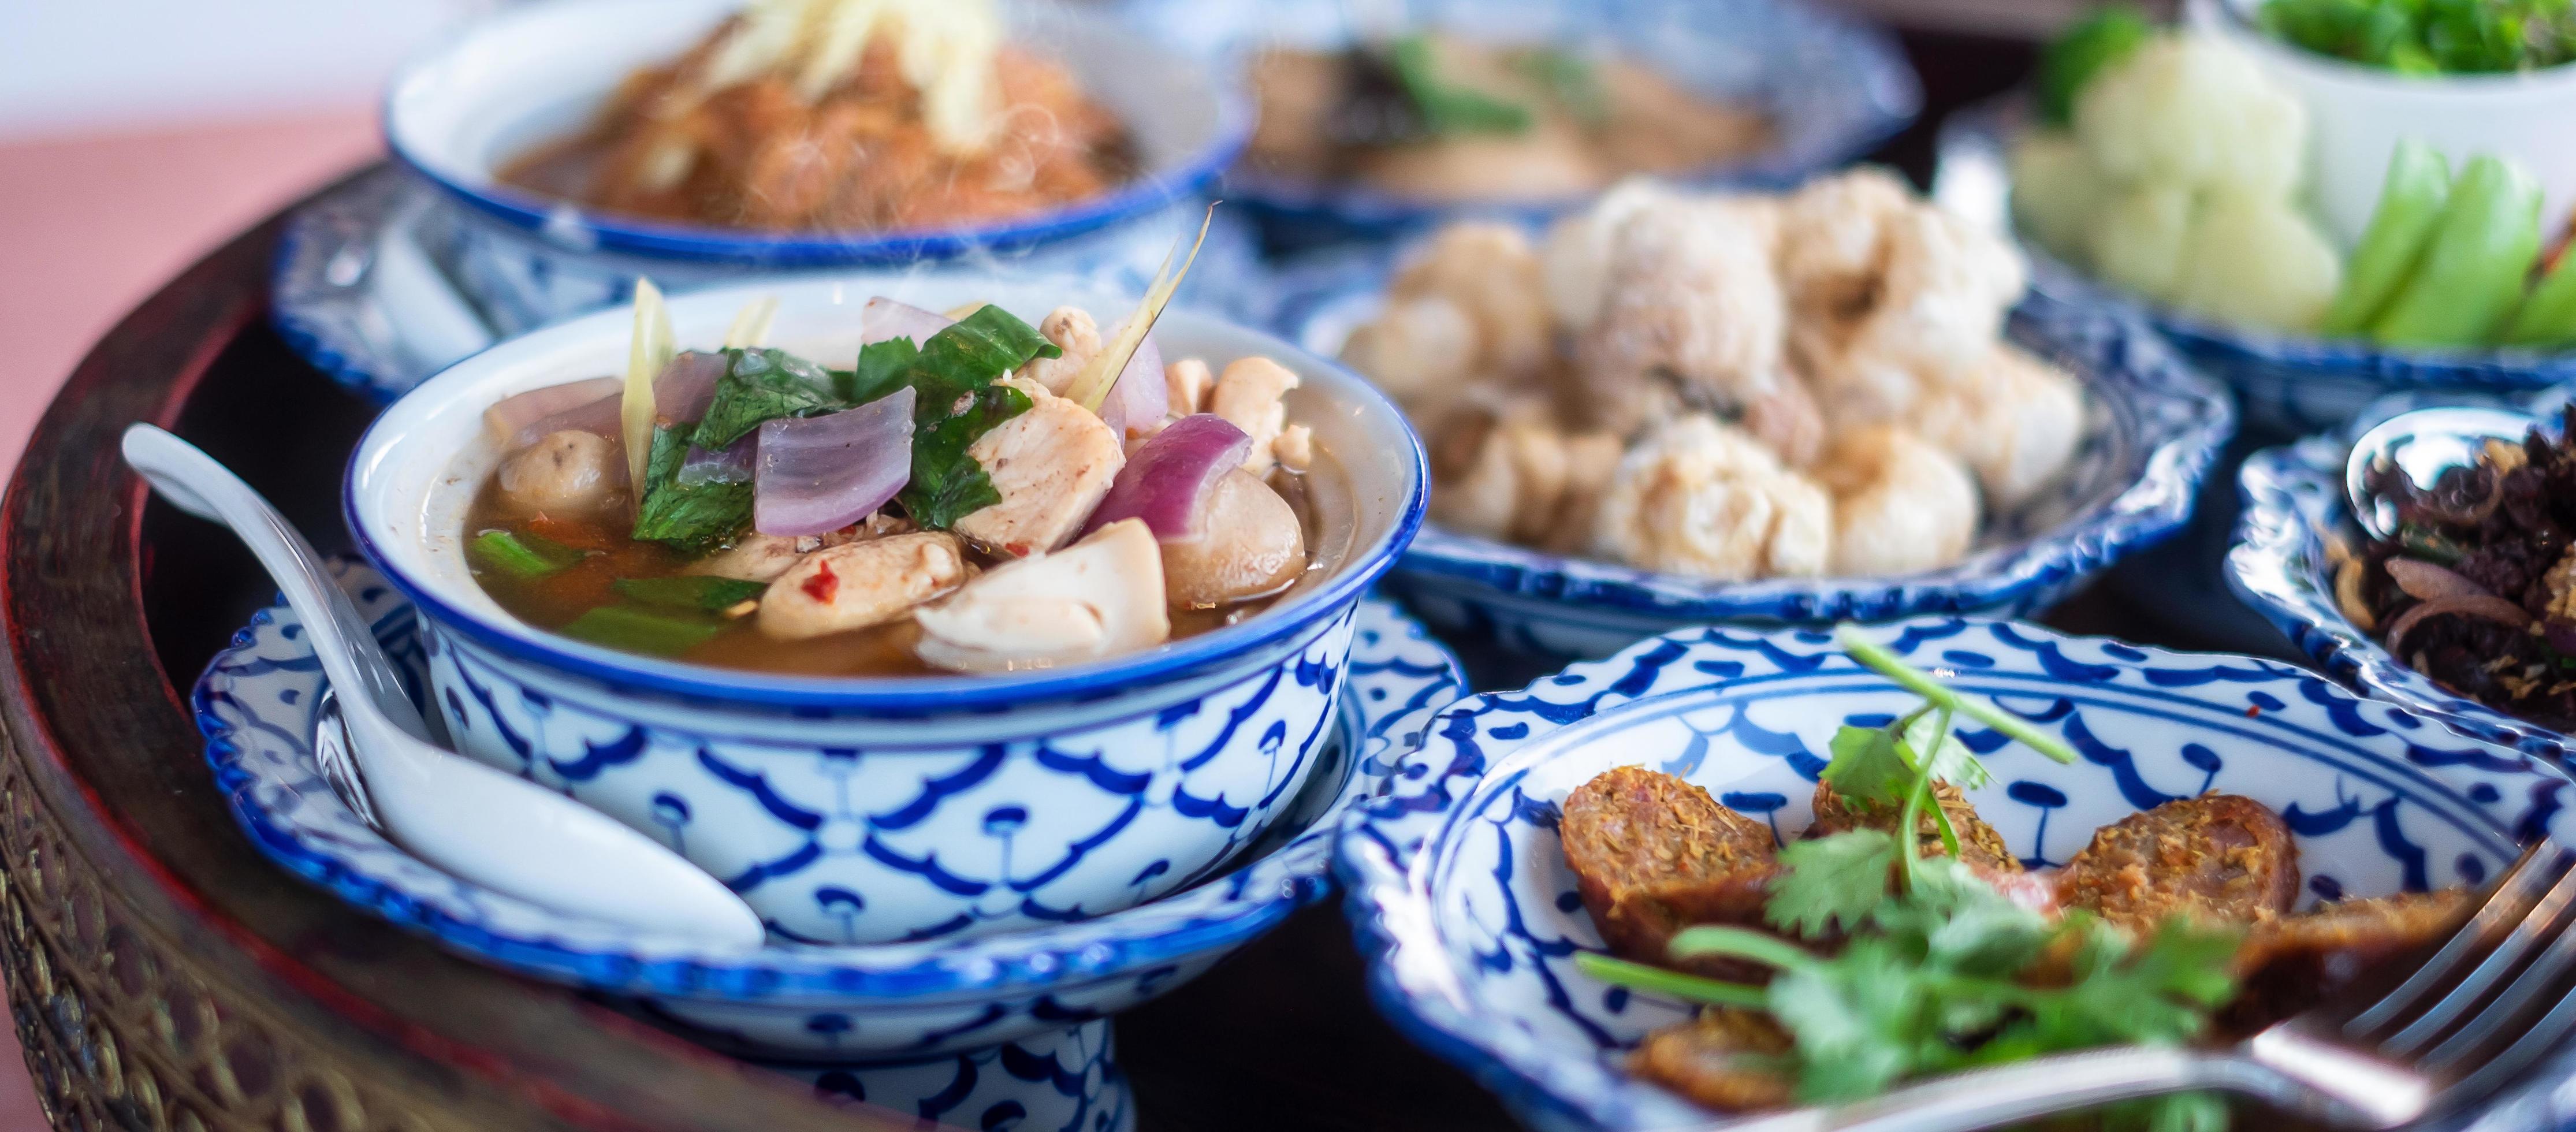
<point x="199" y="485"/>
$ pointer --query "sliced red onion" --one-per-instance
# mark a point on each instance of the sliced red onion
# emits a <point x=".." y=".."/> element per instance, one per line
<point x="729" y="464"/>
<point x="2488" y="606"/>
<point x="1168" y="478"/>
<point x="687" y="386"/>
<point x="509" y="421"/>
<point x="598" y="416"/>
<point x="1139" y="400"/>
<point x="883" y="320"/>
<point x="2425" y="581"/>
<point x="819" y="474"/>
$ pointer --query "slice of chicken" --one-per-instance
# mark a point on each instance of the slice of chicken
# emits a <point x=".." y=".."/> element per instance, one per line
<point x="859" y="584"/>
<point x="1248" y="396"/>
<point x="1249" y="545"/>
<point x="1073" y="331"/>
<point x="1051" y="464"/>
<point x="568" y="474"/>
<point x="1185" y="385"/>
<point x="1900" y="505"/>
<point x="1097" y="598"/>
<point x="1700" y="497"/>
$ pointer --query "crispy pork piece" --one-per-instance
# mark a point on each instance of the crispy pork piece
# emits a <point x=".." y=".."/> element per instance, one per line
<point x="1653" y="854"/>
<point x="2291" y="963"/>
<point x="1716" y="1060"/>
<point x="2223" y="858"/>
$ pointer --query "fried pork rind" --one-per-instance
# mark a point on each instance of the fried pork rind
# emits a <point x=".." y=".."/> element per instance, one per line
<point x="1704" y="498"/>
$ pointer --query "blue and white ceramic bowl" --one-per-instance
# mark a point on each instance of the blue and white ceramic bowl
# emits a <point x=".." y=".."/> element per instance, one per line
<point x="2287" y="384"/>
<point x="1836" y="88"/>
<point x="1470" y="920"/>
<point x="536" y="73"/>
<point x="2294" y="502"/>
<point x="955" y="1030"/>
<point x="882" y="809"/>
<point x="2152" y="427"/>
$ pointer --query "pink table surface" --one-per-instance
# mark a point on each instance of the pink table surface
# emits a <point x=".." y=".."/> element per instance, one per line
<point x="89" y="225"/>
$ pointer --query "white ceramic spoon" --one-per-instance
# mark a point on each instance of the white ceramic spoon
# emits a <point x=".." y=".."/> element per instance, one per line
<point x="2422" y="444"/>
<point x="469" y="819"/>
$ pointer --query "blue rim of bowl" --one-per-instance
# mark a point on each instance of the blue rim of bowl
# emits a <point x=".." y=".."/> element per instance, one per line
<point x="966" y="966"/>
<point x="1377" y="871"/>
<point x="2186" y="417"/>
<point x="2292" y="494"/>
<point x="1990" y="124"/>
<point x="921" y="695"/>
<point x="536" y="215"/>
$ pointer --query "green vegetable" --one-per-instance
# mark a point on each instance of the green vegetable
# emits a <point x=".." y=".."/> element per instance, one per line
<point x="763" y="385"/>
<point x="2092" y="43"/>
<point x="525" y="556"/>
<point x="1877" y="658"/>
<point x="2427" y="37"/>
<point x="947" y="484"/>
<point x="881" y="370"/>
<point x="958" y="364"/>
<point x="1692" y="988"/>
<point x="2401" y="230"/>
<point x="695" y="591"/>
<point x="695" y="518"/>
<point x="2483" y="248"/>
<point x="1448" y="109"/>
<point x="970" y="354"/>
<point x="1569" y="79"/>
<point x="629" y="629"/>
<point x="2548" y="317"/>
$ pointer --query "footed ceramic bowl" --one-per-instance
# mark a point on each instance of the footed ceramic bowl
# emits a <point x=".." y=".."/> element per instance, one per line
<point x="2152" y="427"/>
<point x="955" y="1030"/>
<point x="2294" y="501"/>
<point x="1471" y="922"/>
<point x="2285" y="384"/>
<point x="881" y="809"/>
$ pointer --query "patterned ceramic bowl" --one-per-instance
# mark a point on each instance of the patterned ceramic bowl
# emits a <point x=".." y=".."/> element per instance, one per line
<point x="2287" y="384"/>
<point x="1835" y="87"/>
<point x="2294" y="501"/>
<point x="1464" y="904"/>
<point x="2151" y="429"/>
<point x="880" y="809"/>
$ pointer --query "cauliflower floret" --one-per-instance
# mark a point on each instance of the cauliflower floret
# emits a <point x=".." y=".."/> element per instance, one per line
<point x="1900" y="505"/>
<point x="1576" y="255"/>
<point x="1699" y="497"/>
<point x="1692" y="299"/>
<point x="2055" y="193"/>
<point x="2190" y="111"/>
<point x="1490" y="271"/>
<point x="2137" y="240"/>
<point x="2256" y="261"/>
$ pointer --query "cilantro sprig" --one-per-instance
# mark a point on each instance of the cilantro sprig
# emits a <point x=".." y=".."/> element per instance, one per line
<point x="1889" y="963"/>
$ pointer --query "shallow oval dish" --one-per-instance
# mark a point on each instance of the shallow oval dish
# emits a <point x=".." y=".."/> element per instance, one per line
<point x="457" y="113"/>
<point x="2284" y="383"/>
<point x="1836" y="87"/>
<point x="921" y="792"/>
<point x="1469" y="918"/>
<point x="2294" y="496"/>
<point x="2153" y="426"/>
<point x="256" y="704"/>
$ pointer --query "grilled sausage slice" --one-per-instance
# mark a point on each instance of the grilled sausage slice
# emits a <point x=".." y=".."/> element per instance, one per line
<point x="2291" y="963"/>
<point x="1716" y="1060"/>
<point x="1653" y="854"/>
<point x="2221" y="858"/>
<point x="1980" y="847"/>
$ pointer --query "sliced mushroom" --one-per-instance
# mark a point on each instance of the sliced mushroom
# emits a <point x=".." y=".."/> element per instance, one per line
<point x="1051" y="464"/>
<point x="762" y="558"/>
<point x="1186" y="383"/>
<point x="1099" y="597"/>
<point x="564" y="473"/>
<point x="856" y="585"/>
<point x="1247" y="395"/>
<point x="1249" y="544"/>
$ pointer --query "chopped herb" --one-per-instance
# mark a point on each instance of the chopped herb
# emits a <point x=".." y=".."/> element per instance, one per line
<point x="1448" y="109"/>
<point x="695" y="518"/>
<point x="971" y="353"/>
<point x="883" y="366"/>
<point x="956" y="401"/>
<point x="947" y="484"/>
<point x="525" y="556"/>
<point x="763" y="385"/>
<point x="694" y="591"/>
<point x="1570" y="79"/>
<point x="643" y="630"/>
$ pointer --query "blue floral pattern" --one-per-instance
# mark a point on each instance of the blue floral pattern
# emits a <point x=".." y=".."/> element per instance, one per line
<point x="2153" y="427"/>
<point x="1067" y="1081"/>
<point x="1462" y="900"/>
<point x="848" y="1002"/>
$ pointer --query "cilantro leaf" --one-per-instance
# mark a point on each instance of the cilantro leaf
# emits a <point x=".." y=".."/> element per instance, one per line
<point x="695" y="518"/>
<point x="763" y="385"/>
<point x="1855" y="1020"/>
<point x="947" y="484"/>
<point x="1831" y="882"/>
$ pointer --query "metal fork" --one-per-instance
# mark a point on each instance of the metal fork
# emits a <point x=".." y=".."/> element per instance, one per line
<point x="2403" y="1043"/>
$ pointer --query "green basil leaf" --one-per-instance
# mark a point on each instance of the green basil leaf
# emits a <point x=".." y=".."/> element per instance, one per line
<point x="695" y="518"/>
<point x="947" y="484"/>
<point x="763" y="385"/>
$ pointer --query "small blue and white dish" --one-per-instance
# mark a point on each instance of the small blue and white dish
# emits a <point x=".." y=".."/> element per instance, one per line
<point x="918" y="1019"/>
<point x="2294" y="501"/>
<point x="1835" y="87"/>
<point x="1470" y="920"/>
<point x="2152" y="428"/>
<point x="895" y="808"/>
<point x="2285" y="384"/>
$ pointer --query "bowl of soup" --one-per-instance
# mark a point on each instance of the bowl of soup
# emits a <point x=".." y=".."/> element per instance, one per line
<point x="978" y="705"/>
